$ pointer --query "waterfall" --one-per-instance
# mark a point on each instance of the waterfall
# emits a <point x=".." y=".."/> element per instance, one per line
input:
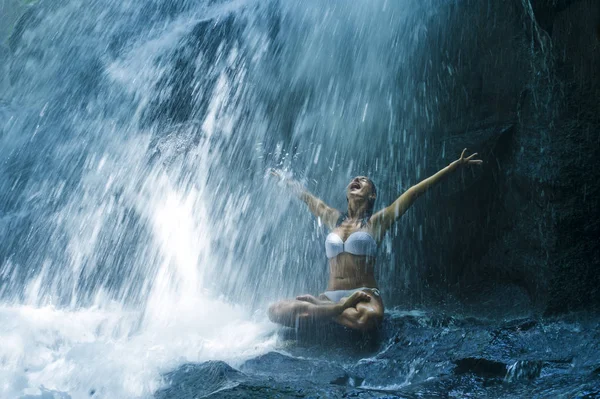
<point x="138" y="226"/>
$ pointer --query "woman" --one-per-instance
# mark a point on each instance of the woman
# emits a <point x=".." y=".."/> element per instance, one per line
<point x="352" y="298"/>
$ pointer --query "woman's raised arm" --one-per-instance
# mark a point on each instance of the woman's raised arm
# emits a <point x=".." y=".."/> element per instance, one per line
<point x="328" y="215"/>
<point x="385" y="218"/>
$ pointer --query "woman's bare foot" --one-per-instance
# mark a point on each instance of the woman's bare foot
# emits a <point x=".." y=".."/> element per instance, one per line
<point x="314" y="300"/>
<point x="309" y="299"/>
<point x="358" y="296"/>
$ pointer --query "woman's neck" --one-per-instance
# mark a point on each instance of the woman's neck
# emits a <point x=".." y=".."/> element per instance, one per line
<point x="357" y="211"/>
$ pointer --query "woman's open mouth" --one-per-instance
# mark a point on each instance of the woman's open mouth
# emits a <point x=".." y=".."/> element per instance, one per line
<point x="355" y="186"/>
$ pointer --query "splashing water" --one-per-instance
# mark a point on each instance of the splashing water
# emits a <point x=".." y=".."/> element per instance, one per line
<point x="138" y="231"/>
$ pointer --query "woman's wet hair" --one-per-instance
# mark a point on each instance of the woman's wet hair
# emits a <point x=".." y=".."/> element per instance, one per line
<point x="374" y="189"/>
<point x="372" y="201"/>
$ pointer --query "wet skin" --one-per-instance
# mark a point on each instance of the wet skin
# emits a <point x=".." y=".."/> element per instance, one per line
<point x="362" y="310"/>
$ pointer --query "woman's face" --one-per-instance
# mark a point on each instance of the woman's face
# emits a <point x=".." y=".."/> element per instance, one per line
<point x="359" y="187"/>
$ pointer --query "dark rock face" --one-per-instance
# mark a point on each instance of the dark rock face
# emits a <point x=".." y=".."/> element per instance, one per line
<point x="574" y="196"/>
<point x="418" y="355"/>
<point x="524" y="94"/>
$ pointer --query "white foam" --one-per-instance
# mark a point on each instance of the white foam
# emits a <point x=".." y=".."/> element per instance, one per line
<point x="116" y="353"/>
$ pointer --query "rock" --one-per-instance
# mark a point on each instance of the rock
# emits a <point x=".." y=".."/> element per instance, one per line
<point x="523" y="370"/>
<point x="270" y="375"/>
<point x="292" y="369"/>
<point x="419" y="356"/>
<point x="481" y="367"/>
<point x="200" y="380"/>
<point x="526" y="221"/>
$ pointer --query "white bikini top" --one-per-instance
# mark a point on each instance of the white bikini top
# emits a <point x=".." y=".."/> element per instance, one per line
<point x="357" y="243"/>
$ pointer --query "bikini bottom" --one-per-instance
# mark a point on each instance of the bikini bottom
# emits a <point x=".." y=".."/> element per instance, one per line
<point x="337" y="295"/>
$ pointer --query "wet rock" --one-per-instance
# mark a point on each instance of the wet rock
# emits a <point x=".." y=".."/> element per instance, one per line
<point x="381" y="372"/>
<point x="335" y="336"/>
<point x="520" y="325"/>
<point x="418" y="356"/>
<point x="523" y="370"/>
<point x="523" y="226"/>
<point x="291" y="369"/>
<point x="214" y="39"/>
<point x="200" y="380"/>
<point x="481" y="367"/>
<point x="285" y="378"/>
<point x="29" y="17"/>
<point x="348" y="380"/>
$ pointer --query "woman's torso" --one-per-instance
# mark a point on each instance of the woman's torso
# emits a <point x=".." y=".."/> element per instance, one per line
<point x="348" y="271"/>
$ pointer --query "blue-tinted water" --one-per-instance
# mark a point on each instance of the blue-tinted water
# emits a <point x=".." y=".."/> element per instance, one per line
<point x="138" y="229"/>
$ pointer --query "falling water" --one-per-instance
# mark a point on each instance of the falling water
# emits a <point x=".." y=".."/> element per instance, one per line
<point x="140" y="230"/>
<point x="138" y="227"/>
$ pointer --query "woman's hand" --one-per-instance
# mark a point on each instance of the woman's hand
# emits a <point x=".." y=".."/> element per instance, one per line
<point x="320" y="209"/>
<point x="285" y="181"/>
<point x="278" y="173"/>
<point x="352" y="300"/>
<point x="468" y="160"/>
<point x="383" y="220"/>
